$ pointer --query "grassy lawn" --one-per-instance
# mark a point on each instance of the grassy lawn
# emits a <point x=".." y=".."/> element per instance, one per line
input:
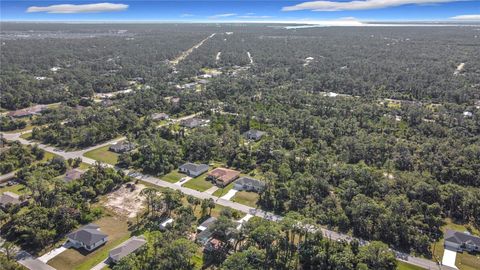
<point x="407" y="266"/>
<point x="173" y="176"/>
<point x="103" y="154"/>
<point x="26" y="136"/>
<point x="84" y="166"/>
<point x="117" y="230"/>
<point x="17" y="189"/>
<point x="464" y="260"/>
<point x="29" y="126"/>
<point x="199" y="183"/>
<point x="246" y="198"/>
<point x="48" y="156"/>
<point x="222" y="191"/>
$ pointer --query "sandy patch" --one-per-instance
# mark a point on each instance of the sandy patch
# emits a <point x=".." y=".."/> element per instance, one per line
<point x="126" y="202"/>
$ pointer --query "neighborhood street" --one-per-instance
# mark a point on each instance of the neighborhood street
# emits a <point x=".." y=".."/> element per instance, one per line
<point x="334" y="236"/>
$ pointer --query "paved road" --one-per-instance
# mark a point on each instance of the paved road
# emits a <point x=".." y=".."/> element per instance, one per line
<point x="202" y="195"/>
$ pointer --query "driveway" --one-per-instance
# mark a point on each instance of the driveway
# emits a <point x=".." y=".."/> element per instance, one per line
<point x="449" y="257"/>
<point x="229" y="194"/>
<point x="52" y="254"/>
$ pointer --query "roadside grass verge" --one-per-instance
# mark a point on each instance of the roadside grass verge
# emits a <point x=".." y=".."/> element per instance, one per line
<point x="222" y="191"/>
<point x="199" y="183"/>
<point x="246" y="198"/>
<point x="407" y="266"/>
<point x="173" y="176"/>
<point x="103" y="154"/>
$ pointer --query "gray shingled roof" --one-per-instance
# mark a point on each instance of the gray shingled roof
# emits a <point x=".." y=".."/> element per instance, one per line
<point x="250" y="182"/>
<point x="254" y="133"/>
<point x="88" y="234"/>
<point x="9" y="198"/>
<point x="208" y="222"/>
<point x="460" y="237"/>
<point x="194" y="167"/>
<point x="127" y="247"/>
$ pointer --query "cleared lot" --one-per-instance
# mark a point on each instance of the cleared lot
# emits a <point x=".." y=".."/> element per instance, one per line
<point x="103" y="154"/>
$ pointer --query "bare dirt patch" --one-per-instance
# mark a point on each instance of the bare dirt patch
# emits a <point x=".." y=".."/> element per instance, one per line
<point x="126" y="202"/>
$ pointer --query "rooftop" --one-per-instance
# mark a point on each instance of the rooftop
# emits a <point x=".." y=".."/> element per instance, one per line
<point x="194" y="167"/>
<point x="9" y="198"/>
<point x="127" y="247"/>
<point x="461" y="237"/>
<point x="223" y="174"/>
<point x="88" y="234"/>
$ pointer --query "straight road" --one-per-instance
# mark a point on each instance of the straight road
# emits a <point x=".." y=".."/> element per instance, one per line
<point x="335" y="236"/>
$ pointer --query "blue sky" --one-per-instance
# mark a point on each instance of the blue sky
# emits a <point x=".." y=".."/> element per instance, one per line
<point x="239" y="10"/>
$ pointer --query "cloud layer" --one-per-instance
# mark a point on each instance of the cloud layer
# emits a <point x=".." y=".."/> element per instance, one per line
<point x="359" y="4"/>
<point x="470" y="17"/>
<point x="87" y="8"/>
<point x="225" y="15"/>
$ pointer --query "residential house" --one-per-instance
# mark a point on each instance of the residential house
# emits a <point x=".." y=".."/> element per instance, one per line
<point x="34" y="110"/>
<point x="254" y="135"/>
<point x="222" y="176"/>
<point x="203" y="231"/>
<point x="249" y="184"/>
<point x="206" y="223"/>
<point x="126" y="248"/>
<point x="88" y="237"/>
<point x="72" y="174"/>
<point x="461" y="241"/>
<point x="122" y="147"/>
<point x="8" y="199"/>
<point x="192" y="169"/>
<point x="160" y="116"/>
<point x="193" y="122"/>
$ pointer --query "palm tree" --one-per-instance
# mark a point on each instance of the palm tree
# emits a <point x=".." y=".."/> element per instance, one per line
<point x="149" y="194"/>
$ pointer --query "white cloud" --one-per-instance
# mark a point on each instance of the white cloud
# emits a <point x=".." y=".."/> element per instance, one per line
<point x="359" y="4"/>
<point x="225" y="15"/>
<point x="254" y="17"/>
<point x="86" y="8"/>
<point x="186" y="15"/>
<point x="470" y="17"/>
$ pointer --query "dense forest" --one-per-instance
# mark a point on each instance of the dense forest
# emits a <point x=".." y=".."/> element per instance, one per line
<point x="376" y="134"/>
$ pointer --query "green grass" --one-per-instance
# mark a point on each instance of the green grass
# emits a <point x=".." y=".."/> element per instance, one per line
<point x="103" y="154"/>
<point x="26" y="136"/>
<point x="246" y="198"/>
<point x="17" y="189"/>
<point x="84" y="166"/>
<point x="199" y="183"/>
<point x="222" y="191"/>
<point x="407" y="266"/>
<point x="48" y="156"/>
<point x="117" y="230"/>
<point x="173" y="176"/>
